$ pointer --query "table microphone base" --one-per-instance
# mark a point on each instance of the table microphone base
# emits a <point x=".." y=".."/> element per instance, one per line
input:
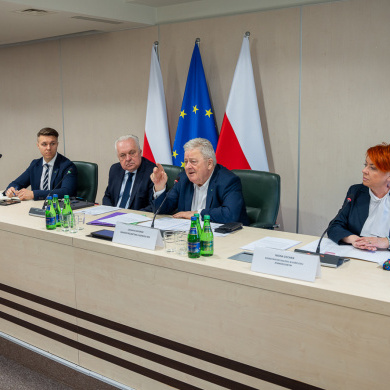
<point x="326" y="259"/>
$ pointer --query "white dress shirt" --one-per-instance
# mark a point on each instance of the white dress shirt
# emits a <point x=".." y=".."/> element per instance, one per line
<point x="378" y="221"/>
<point x="51" y="166"/>
<point x="200" y="195"/>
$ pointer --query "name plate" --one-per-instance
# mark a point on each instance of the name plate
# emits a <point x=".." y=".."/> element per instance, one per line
<point x="138" y="236"/>
<point x="287" y="264"/>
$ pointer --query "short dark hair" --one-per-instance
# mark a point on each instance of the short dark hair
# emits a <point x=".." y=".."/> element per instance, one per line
<point x="48" y="131"/>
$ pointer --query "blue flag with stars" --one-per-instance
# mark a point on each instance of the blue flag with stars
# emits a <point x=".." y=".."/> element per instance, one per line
<point x="196" y="115"/>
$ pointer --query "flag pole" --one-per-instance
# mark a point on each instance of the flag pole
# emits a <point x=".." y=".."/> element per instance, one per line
<point x="156" y="49"/>
<point x="247" y="34"/>
<point x="197" y="41"/>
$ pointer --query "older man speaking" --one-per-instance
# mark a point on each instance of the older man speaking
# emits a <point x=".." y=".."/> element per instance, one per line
<point x="205" y="187"/>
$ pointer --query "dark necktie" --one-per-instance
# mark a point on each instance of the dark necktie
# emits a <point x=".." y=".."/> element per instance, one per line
<point x="46" y="178"/>
<point x="126" y="192"/>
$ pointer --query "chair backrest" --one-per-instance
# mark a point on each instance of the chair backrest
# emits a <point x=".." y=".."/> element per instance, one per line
<point x="87" y="180"/>
<point x="261" y="192"/>
<point x="172" y="172"/>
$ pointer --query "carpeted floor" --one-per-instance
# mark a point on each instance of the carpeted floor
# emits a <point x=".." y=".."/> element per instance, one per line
<point x="14" y="376"/>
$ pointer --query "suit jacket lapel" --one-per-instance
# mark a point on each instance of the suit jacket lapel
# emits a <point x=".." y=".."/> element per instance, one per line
<point x="189" y="194"/>
<point x="56" y="169"/>
<point x="39" y="174"/>
<point x="211" y="189"/>
<point x="136" y="184"/>
<point x="363" y="206"/>
<point x="119" y="185"/>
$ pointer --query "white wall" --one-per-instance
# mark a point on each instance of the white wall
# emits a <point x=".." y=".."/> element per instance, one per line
<point x="321" y="106"/>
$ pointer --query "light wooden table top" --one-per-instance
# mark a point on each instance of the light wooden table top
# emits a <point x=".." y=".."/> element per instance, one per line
<point x="357" y="284"/>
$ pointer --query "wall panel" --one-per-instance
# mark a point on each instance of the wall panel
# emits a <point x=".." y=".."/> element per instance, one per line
<point x="105" y="80"/>
<point x="274" y="44"/>
<point x="345" y="100"/>
<point x="30" y="98"/>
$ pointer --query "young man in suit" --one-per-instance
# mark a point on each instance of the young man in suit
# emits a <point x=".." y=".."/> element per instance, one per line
<point x="46" y="173"/>
<point x="129" y="184"/>
<point x="205" y="187"/>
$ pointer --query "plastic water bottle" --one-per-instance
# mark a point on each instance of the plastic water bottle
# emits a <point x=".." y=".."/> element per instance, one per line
<point x="50" y="215"/>
<point x="207" y="238"/>
<point x="193" y="240"/>
<point x="67" y="210"/>
<point x="198" y="223"/>
<point x="56" y="205"/>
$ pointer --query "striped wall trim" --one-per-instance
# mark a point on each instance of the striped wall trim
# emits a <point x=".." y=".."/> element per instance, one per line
<point x="145" y="336"/>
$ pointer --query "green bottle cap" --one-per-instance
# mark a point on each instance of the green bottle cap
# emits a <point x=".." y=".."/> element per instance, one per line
<point x="206" y="217"/>
<point x="66" y="197"/>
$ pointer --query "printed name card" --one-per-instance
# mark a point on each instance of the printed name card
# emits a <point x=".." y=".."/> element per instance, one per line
<point x="138" y="236"/>
<point x="287" y="264"/>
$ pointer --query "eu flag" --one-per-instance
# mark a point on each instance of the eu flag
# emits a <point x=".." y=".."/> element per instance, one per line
<point x="196" y="115"/>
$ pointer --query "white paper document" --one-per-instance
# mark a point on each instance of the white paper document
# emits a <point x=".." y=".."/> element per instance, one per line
<point x="100" y="210"/>
<point x="127" y="218"/>
<point x="330" y="247"/>
<point x="178" y="224"/>
<point x="169" y="223"/>
<point x="271" y="242"/>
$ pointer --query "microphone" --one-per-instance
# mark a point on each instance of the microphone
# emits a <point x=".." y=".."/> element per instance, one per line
<point x="348" y="200"/>
<point x="58" y="184"/>
<point x="325" y="258"/>
<point x="166" y="196"/>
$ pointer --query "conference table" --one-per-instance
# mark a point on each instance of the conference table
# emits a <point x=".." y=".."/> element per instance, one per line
<point x="153" y="320"/>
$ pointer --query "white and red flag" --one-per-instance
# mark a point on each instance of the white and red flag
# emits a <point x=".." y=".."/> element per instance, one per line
<point x="241" y="143"/>
<point x="157" y="147"/>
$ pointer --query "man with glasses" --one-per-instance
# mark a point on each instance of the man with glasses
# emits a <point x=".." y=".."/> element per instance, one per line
<point x="205" y="187"/>
<point x="129" y="184"/>
<point x="52" y="171"/>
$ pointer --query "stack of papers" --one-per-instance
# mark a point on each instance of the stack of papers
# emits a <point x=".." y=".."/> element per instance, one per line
<point x="99" y="210"/>
<point x="271" y="242"/>
<point x="112" y="219"/>
<point x="330" y="247"/>
<point x="178" y="224"/>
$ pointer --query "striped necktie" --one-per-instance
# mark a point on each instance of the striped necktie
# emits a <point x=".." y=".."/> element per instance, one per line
<point x="46" y="178"/>
<point x="126" y="191"/>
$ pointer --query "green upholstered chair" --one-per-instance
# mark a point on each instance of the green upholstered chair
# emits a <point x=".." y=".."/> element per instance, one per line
<point x="172" y="172"/>
<point x="87" y="180"/>
<point x="261" y="192"/>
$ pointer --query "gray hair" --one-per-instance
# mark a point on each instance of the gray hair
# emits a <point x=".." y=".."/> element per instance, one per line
<point x="204" y="146"/>
<point x="125" y="138"/>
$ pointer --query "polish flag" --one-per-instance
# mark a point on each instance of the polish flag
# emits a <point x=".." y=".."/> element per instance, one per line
<point x="241" y="143"/>
<point x="157" y="147"/>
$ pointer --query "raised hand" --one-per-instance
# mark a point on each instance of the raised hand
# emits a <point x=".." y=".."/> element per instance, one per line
<point x="159" y="178"/>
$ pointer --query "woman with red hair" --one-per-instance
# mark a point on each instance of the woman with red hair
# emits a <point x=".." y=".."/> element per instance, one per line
<point x="364" y="220"/>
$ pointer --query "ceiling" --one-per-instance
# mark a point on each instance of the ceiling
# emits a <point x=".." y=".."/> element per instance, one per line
<point x="24" y="21"/>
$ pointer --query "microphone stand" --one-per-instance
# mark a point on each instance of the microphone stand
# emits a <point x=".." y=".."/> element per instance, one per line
<point x="51" y="191"/>
<point x="40" y="212"/>
<point x="326" y="258"/>
<point x="166" y="196"/>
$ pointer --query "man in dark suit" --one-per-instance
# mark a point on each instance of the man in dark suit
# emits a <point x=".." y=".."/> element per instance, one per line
<point x="205" y="187"/>
<point x="129" y="184"/>
<point x="45" y="174"/>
